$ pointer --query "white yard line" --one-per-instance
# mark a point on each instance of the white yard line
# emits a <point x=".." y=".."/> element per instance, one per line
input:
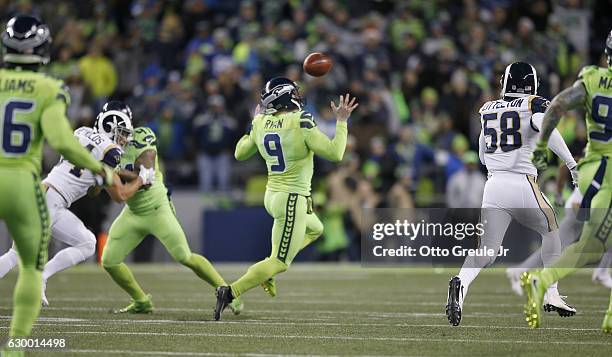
<point x="99" y="322"/>
<point x="332" y="338"/>
<point x="166" y="353"/>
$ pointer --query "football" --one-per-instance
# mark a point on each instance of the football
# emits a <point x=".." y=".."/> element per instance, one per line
<point x="317" y="64"/>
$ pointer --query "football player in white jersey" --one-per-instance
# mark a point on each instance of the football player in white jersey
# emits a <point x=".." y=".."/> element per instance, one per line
<point x="66" y="184"/>
<point x="510" y="130"/>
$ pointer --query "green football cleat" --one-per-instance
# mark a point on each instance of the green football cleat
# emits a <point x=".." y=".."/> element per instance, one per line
<point x="236" y="306"/>
<point x="269" y="286"/>
<point x="535" y="297"/>
<point x="606" y="326"/>
<point x="137" y="307"/>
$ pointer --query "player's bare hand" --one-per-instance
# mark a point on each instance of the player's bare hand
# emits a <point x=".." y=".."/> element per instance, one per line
<point x="345" y="107"/>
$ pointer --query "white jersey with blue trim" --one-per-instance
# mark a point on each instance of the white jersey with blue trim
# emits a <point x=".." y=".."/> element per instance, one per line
<point x="509" y="133"/>
<point x="73" y="182"/>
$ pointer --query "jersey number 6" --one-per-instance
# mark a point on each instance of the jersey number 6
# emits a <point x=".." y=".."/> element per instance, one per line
<point x="9" y="128"/>
<point x="272" y="143"/>
<point x="507" y="131"/>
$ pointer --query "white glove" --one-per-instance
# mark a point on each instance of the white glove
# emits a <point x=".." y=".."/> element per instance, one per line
<point x="147" y="175"/>
<point x="574" y="173"/>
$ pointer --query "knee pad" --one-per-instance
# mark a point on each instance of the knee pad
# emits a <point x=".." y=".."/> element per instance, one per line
<point x="88" y="247"/>
<point x="181" y="256"/>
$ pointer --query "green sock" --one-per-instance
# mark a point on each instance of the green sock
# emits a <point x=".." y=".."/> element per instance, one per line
<point x="610" y="305"/>
<point x="257" y="274"/>
<point x="205" y="270"/>
<point x="26" y="301"/>
<point x="577" y="255"/>
<point x="122" y="275"/>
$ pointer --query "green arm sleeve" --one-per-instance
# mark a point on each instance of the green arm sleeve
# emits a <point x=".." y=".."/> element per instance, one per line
<point x="332" y="150"/>
<point x="245" y="148"/>
<point x="58" y="133"/>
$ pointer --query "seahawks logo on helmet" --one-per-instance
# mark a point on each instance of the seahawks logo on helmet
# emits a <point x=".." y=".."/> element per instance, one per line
<point x="519" y="79"/>
<point x="281" y="93"/>
<point x="115" y="121"/>
<point x="608" y="49"/>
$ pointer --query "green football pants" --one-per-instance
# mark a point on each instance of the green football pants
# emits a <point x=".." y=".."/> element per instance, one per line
<point x="24" y="209"/>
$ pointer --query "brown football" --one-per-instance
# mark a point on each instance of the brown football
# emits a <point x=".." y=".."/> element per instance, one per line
<point x="317" y="64"/>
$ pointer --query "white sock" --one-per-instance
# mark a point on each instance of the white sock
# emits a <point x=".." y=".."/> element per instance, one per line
<point x="467" y="276"/>
<point x="67" y="258"/>
<point x="8" y="261"/>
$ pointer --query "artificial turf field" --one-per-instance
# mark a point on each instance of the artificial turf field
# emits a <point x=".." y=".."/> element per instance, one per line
<point x="321" y="310"/>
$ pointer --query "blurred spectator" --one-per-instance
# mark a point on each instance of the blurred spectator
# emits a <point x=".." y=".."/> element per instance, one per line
<point x="214" y="133"/>
<point x="465" y="188"/>
<point x="98" y="74"/>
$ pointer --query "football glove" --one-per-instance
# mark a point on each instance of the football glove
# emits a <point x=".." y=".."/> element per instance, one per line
<point x="147" y="175"/>
<point x="540" y="156"/>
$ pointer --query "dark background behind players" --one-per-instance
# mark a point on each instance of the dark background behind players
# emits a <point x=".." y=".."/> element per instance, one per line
<point x="419" y="68"/>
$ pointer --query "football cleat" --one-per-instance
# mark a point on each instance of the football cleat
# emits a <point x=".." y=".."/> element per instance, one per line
<point x="236" y="306"/>
<point x="44" y="300"/>
<point x="224" y="298"/>
<point x="454" y="301"/>
<point x="137" y="307"/>
<point x="515" y="281"/>
<point x="555" y="302"/>
<point x="602" y="276"/>
<point x="269" y="286"/>
<point x="535" y="295"/>
<point x="606" y="326"/>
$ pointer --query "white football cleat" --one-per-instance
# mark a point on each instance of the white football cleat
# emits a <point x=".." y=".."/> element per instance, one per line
<point x="602" y="276"/>
<point x="554" y="302"/>
<point x="515" y="281"/>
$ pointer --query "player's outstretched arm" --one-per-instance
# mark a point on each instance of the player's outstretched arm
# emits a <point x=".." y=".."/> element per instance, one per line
<point x="57" y="131"/>
<point x="332" y="150"/>
<point x="568" y="99"/>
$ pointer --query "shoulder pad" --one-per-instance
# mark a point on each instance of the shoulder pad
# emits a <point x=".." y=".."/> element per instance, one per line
<point x="586" y="71"/>
<point x="538" y="104"/>
<point x="144" y="136"/>
<point x="112" y="156"/>
<point x="307" y="121"/>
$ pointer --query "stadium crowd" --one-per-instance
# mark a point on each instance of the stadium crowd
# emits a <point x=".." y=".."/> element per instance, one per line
<point x="193" y="70"/>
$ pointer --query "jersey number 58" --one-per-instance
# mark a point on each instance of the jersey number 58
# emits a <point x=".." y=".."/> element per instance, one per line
<point x="509" y="123"/>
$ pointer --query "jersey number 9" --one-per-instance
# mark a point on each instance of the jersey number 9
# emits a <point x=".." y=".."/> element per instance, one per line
<point x="507" y="131"/>
<point x="602" y="114"/>
<point x="272" y="143"/>
<point x="10" y="128"/>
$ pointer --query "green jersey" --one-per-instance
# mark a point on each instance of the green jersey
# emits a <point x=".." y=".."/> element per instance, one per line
<point x="598" y="103"/>
<point x="145" y="199"/>
<point x="287" y="142"/>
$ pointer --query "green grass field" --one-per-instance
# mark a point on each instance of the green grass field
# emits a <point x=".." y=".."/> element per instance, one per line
<point x="321" y="310"/>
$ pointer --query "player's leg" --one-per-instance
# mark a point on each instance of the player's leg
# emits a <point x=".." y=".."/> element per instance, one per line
<point x="66" y="228"/>
<point x="314" y="229"/>
<point x="289" y="213"/>
<point x="8" y="261"/>
<point x="166" y="227"/>
<point x="601" y="274"/>
<point x="607" y="322"/>
<point x="587" y="250"/>
<point x="124" y="236"/>
<point x="27" y="219"/>
<point x="497" y="221"/>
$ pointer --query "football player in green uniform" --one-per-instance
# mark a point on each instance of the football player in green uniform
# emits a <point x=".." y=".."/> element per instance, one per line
<point x="593" y="91"/>
<point x="33" y="109"/>
<point x="287" y="138"/>
<point x="149" y="212"/>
